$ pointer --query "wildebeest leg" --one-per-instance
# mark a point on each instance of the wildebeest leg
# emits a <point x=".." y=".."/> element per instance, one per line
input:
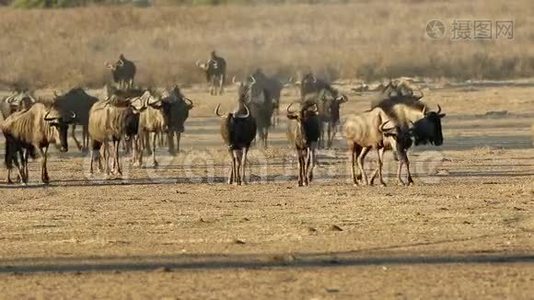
<point x="407" y="162"/>
<point x="238" y="157"/>
<point x="361" y="158"/>
<point x="232" y="167"/>
<point x="73" y="135"/>
<point x="354" y="152"/>
<point x="380" y="158"/>
<point x="170" y="142"/>
<point x="221" y="84"/>
<point x="178" y="137"/>
<point x="332" y="130"/>
<point x="311" y="165"/>
<point x="244" y="165"/>
<point x="301" y="167"/>
<point x="146" y="140"/>
<point x="154" y="140"/>
<point x="264" y="138"/>
<point x="85" y="137"/>
<point x="44" y="171"/>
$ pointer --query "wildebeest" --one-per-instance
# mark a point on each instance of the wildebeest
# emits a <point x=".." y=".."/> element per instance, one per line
<point x="17" y="101"/>
<point x="153" y="119"/>
<point x="179" y="112"/>
<point x="259" y="102"/>
<point x="328" y="100"/>
<point x="215" y="69"/>
<point x="123" y="72"/>
<point x="238" y="129"/>
<point x="303" y="133"/>
<point x="78" y="101"/>
<point x="409" y="118"/>
<point x="109" y="121"/>
<point x="273" y="87"/>
<point x="35" y="129"/>
<point x="329" y="114"/>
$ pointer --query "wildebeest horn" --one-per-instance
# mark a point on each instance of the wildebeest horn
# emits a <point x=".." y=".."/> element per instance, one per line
<point x="189" y="100"/>
<point x="382" y="129"/>
<point x="120" y="63"/>
<point x="72" y="115"/>
<point x="46" y="118"/>
<point x="314" y="79"/>
<point x="217" y="111"/>
<point x="421" y="96"/>
<point x="315" y="107"/>
<point x="424" y="110"/>
<point x="288" y="107"/>
<point x="245" y="116"/>
<point x="439" y="109"/>
<point x="253" y="80"/>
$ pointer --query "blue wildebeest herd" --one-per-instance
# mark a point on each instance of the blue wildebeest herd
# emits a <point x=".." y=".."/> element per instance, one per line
<point x="135" y="117"/>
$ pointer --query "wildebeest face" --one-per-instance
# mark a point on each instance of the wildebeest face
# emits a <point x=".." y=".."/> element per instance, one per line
<point x="60" y="122"/>
<point x="428" y="129"/>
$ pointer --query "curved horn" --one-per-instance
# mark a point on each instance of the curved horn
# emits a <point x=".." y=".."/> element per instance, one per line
<point x="217" y="111"/>
<point x="288" y="107"/>
<point x="109" y="65"/>
<point x="424" y="110"/>
<point x="46" y="118"/>
<point x="72" y="115"/>
<point x="381" y="128"/>
<point x="421" y="96"/>
<point x="248" y="113"/>
<point x="120" y="63"/>
<point x="189" y="100"/>
<point x="439" y="109"/>
<point x="315" y="108"/>
<point x="253" y="80"/>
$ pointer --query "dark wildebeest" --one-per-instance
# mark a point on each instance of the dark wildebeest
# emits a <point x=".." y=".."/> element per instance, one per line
<point x="179" y="112"/>
<point x="109" y="121"/>
<point x="35" y="128"/>
<point x="123" y="72"/>
<point x="274" y="89"/>
<point x="328" y="101"/>
<point x="78" y="101"/>
<point x="215" y="69"/>
<point x="303" y="133"/>
<point x="259" y="102"/>
<point x="238" y="129"/>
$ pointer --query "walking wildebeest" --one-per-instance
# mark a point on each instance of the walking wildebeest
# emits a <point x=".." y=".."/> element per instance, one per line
<point x="109" y="121"/>
<point x="303" y="133"/>
<point x="179" y="112"/>
<point x="123" y="72"/>
<point x="238" y="129"/>
<point x="36" y="128"/>
<point x="259" y="102"/>
<point x="78" y="101"/>
<point x="215" y="69"/>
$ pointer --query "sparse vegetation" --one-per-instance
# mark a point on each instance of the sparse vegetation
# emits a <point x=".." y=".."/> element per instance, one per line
<point x="368" y="40"/>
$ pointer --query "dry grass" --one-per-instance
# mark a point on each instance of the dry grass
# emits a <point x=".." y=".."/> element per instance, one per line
<point x="363" y="39"/>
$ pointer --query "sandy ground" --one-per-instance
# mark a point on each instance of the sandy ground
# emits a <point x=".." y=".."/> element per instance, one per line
<point x="465" y="230"/>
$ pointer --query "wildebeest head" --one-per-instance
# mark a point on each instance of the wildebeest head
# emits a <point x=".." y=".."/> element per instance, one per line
<point x="60" y="121"/>
<point x="428" y="129"/>
<point x="399" y="88"/>
<point x="403" y="138"/>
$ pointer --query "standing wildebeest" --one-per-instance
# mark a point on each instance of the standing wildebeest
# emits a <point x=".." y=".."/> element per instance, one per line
<point x="123" y="72"/>
<point x="215" y="69"/>
<point x="364" y="132"/>
<point x="238" y="129"/>
<point x="109" y="121"/>
<point x="179" y="112"/>
<point x="78" y="101"/>
<point x="328" y="100"/>
<point x="303" y="132"/>
<point x="36" y="128"/>
<point x="273" y="87"/>
<point x="17" y="101"/>
<point x="329" y="114"/>
<point x="153" y="119"/>
<point x="259" y="102"/>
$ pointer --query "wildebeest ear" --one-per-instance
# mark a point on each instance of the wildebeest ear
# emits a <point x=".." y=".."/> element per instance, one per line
<point x="442" y="115"/>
